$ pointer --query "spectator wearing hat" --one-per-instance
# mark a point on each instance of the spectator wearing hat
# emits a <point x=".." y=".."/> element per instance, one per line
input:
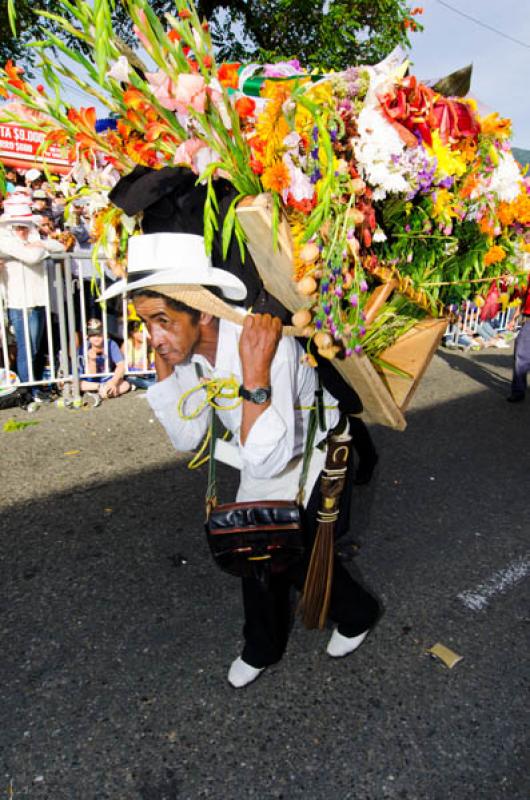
<point x="41" y="202"/>
<point x="23" y="280"/>
<point x="102" y="356"/>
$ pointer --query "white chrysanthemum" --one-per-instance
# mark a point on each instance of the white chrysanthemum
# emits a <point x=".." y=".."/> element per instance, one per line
<point x="378" y="150"/>
<point x="506" y="178"/>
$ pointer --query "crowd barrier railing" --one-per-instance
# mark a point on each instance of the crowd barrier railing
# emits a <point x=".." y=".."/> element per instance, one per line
<point x="72" y="288"/>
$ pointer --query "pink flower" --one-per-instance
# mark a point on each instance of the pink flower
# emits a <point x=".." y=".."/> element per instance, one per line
<point x="163" y="89"/>
<point x="185" y="152"/>
<point x="141" y="36"/>
<point x="190" y="90"/>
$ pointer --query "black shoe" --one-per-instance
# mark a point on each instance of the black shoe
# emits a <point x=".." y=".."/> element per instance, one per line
<point x="515" y="398"/>
<point x="365" y="470"/>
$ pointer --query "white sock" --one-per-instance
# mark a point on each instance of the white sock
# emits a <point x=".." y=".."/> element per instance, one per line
<point x="241" y="673"/>
<point x="340" y="645"/>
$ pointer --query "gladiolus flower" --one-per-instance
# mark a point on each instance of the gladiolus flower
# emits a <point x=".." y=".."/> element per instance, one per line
<point x="173" y="35"/>
<point x="85" y="117"/>
<point x="185" y="14"/>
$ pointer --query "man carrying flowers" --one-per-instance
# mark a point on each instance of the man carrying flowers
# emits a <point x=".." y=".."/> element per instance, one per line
<point x="195" y="332"/>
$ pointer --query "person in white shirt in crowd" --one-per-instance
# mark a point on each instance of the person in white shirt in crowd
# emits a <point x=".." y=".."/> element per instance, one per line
<point x="23" y="280"/>
<point x="196" y="333"/>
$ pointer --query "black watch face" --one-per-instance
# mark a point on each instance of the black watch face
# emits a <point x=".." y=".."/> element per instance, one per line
<point x="260" y="396"/>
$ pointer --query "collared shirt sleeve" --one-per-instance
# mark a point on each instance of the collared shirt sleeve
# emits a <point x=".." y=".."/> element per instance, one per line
<point x="27" y="253"/>
<point x="164" y="397"/>
<point x="273" y="441"/>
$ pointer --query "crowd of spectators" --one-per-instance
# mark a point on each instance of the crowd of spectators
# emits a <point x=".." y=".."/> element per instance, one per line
<point x="40" y="218"/>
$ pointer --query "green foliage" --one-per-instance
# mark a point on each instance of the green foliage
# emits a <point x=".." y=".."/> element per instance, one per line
<point x="354" y="32"/>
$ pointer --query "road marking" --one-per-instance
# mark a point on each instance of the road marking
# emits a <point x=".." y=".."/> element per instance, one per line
<point x="500" y="582"/>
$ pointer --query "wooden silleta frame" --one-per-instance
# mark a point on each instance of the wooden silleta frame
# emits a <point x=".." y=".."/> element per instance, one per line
<point x="384" y="395"/>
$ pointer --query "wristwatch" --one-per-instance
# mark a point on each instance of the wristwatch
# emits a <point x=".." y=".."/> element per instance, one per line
<point x="258" y="396"/>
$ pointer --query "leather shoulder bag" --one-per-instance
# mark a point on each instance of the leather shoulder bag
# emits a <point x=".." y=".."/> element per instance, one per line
<point x="257" y="538"/>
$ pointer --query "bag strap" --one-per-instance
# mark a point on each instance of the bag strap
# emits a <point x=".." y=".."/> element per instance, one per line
<point x="316" y="420"/>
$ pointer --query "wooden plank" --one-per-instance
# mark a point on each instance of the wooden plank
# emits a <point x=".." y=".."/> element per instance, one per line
<point x="412" y="353"/>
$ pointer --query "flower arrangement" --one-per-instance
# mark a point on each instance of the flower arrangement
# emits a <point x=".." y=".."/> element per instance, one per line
<point x="381" y="178"/>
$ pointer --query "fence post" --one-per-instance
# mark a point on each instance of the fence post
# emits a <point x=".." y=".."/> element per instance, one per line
<point x="71" y="331"/>
<point x="63" y="340"/>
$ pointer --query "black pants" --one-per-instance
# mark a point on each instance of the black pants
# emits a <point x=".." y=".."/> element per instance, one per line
<point x="521" y="359"/>
<point x="268" y="610"/>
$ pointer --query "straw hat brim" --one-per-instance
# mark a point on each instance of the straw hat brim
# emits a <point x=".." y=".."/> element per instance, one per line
<point x="33" y="220"/>
<point x="201" y="299"/>
<point x="229" y="284"/>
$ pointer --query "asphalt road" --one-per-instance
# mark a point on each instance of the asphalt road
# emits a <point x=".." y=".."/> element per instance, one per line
<point x="117" y="630"/>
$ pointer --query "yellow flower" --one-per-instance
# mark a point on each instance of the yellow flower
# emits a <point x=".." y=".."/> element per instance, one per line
<point x="449" y="162"/>
<point x="272" y="126"/>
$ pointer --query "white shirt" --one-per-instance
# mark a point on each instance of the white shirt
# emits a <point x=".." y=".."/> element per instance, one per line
<point x="23" y="278"/>
<point x="271" y="458"/>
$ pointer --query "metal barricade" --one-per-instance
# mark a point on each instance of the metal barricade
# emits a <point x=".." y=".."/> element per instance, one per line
<point x="64" y="342"/>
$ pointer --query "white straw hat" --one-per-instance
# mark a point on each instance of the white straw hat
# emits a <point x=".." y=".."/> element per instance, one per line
<point x="17" y="211"/>
<point x="173" y="259"/>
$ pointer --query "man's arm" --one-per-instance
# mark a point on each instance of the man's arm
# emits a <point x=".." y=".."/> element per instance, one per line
<point x="20" y="251"/>
<point x="257" y="348"/>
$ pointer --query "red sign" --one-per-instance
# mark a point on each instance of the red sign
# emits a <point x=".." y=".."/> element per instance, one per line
<point x="21" y="145"/>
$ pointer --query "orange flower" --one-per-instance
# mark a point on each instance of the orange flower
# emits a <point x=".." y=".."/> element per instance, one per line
<point x="496" y="126"/>
<point x="133" y="98"/>
<point x="276" y="178"/>
<point x="85" y="117"/>
<point x="227" y="75"/>
<point x="173" y="35"/>
<point x="58" y="137"/>
<point x="494" y="255"/>
<point x="245" y="107"/>
<point x="154" y="130"/>
<point x="185" y="13"/>
<point x="207" y="61"/>
<point x="123" y="129"/>
<point x="14" y="75"/>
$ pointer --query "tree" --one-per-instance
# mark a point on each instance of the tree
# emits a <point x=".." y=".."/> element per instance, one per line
<point x="322" y="34"/>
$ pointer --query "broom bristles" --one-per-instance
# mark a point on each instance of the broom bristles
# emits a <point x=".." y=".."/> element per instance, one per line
<point x="319" y="578"/>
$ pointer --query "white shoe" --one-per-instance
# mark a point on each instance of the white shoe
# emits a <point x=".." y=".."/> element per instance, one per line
<point x="241" y="673"/>
<point x="339" y="645"/>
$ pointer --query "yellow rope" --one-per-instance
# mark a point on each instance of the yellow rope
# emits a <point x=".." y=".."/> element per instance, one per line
<point x="215" y="389"/>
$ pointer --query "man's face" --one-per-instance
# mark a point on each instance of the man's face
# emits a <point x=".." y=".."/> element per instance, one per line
<point x="173" y="334"/>
<point x="40" y="205"/>
<point x="22" y="231"/>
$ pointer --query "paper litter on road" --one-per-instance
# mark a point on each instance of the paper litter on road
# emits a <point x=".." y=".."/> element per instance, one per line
<point x="444" y="654"/>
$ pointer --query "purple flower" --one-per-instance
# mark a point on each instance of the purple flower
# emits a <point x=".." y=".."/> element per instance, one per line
<point x="324" y="287"/>
<point x="354" y="300"/>
<point x="363" y="286"/>
<point x="326" y="308"/>
<point x="348" y="352"/>
<point x="333" y="136"/>
<point x="315" y="133"/>
<point x="339" y="292"/>
<point x="358" y="349"/>
<point x="350" y="234"/>
<point x="318" y="324"/>
<point x="362" y="330"/>
<point x="314" y="152"/>
<point x="316" y="176"/>
<point x="407" y="228"/>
